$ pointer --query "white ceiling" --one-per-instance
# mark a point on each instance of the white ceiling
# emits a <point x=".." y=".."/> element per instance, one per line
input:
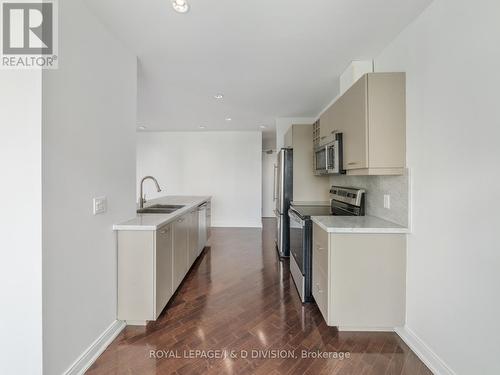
<point x="276" y="58"/>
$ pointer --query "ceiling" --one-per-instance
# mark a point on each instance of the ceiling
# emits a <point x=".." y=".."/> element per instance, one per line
<point x="270" y="59"/>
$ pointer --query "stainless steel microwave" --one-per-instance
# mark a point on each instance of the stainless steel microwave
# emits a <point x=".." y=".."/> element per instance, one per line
<point x="328" y="158"/>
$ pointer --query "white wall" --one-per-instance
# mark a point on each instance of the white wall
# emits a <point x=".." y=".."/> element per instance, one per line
<point x="268" y="162"/>
<point x="451" y="55"/>
<point x="226" y="165"/>
<point x="269" y="140"/>
<point x="20" y="222"/>
<point x="89" y="120"/>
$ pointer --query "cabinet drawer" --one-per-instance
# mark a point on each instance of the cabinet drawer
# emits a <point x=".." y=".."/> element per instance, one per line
<point x="320" y="248"/>
<point x="320" y="290"/>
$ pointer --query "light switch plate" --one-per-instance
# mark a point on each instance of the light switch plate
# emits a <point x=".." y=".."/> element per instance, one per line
<point x="100" y="205"/>
<point x="387" y="201"/>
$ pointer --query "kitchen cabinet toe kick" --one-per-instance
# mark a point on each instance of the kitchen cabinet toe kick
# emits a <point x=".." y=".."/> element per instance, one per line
<point x="136" y="322"/>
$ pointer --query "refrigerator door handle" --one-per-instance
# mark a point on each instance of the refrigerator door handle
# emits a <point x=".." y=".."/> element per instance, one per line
<point x="274" y="183"/>
<point x="280" y="182"/>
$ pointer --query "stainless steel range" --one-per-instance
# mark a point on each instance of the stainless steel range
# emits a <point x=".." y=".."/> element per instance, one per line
<point x="344" y="202"/>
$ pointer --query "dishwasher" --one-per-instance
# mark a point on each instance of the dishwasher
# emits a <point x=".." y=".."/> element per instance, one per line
<point x="202" y="227"/>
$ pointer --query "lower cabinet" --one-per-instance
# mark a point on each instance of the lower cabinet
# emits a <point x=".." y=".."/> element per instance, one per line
<point x="144" y="274"/>
<point x="209" y="220"/>
<point x="359" y="280"/>
<point x="320" y="289"/>
<point x="181" y="250"/>
<point x="193" y="236"/>
<point x="152" y="265"/>
<point x="164" y="269"/>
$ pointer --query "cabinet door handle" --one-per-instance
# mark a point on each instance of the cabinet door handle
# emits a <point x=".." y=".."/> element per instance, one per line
<point x="323" y="137"/>
<point x="164" y="231"/>
<point x="319" y="247"/>
<point x="318" y="288"/>
<point x="353" y="163"/>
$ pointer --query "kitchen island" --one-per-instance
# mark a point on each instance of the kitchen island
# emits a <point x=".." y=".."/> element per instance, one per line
<point x="156" y="251"/>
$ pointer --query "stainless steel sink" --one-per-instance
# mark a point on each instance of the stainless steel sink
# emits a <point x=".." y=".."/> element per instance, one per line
<point x="160" y="209"/>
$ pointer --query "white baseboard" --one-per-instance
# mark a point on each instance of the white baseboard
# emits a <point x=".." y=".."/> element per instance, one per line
<point x="90" y="355"/>
<point x="365" y="329"/>
<point x="237" y="225"/>
<point x="426" y="355"/>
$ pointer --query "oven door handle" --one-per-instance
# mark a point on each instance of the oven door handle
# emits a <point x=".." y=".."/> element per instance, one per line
<point x="327" y="167"/>
<point x="296" y="218"/>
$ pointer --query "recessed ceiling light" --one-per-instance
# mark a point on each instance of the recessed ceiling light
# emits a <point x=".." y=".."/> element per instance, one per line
<point x="263" y="126"/>
<point x="202" y="126"/>
<point x="180" y="6"/>
<point x="229" y="119"/>
<point x="219" y="96"/>
<point x="142" y="127"/>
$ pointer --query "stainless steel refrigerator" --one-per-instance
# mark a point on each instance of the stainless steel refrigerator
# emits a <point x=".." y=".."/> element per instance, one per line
<point x="283" y="195"/>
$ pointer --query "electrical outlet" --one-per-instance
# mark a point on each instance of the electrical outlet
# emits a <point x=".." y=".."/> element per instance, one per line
<point x="387" y="201"/>
<point x="100" y="205"/>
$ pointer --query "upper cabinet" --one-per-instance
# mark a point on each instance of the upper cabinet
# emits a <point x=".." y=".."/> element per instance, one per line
<point x="328" y="124"/>
<point x="316" y="131"/>
<point x="325" y="128"/>
<point x="306" y="185"/>
<point x="353" y="121"/>
<point x="372" y="117"/>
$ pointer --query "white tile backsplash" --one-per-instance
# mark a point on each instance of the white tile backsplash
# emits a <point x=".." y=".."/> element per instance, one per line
<point x="376" y="187"/>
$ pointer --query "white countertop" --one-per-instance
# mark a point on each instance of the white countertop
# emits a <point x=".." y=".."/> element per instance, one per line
<point x="156" y="221"/>
<point x="357" y="224"/>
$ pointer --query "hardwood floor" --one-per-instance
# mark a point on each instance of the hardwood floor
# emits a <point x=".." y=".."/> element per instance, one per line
<point x="239" y="297"/>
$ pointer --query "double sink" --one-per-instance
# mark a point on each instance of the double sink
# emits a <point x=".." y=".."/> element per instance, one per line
<point x="159" y="209"/>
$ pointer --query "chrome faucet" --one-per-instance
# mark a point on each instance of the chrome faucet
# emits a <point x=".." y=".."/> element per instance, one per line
<point x="143" y="197"/>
